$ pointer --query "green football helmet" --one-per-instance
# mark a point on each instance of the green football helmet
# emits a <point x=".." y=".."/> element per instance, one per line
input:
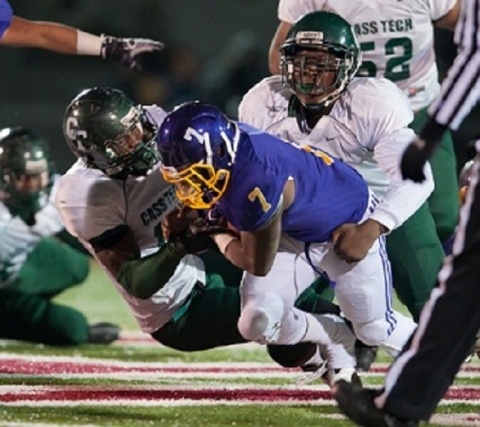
<point x="99" y="126"/>
<point x="318" y="44"/>
<point x="26" y="171"/>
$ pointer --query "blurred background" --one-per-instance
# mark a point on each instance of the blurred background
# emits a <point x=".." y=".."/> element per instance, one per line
<point x="216" y="50"/>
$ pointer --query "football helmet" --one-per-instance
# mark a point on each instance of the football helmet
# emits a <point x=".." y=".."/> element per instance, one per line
<point x="319" y="58"/>
<point x="26" y="171"/>
<point x="109" y="132"/>
<point x="197" y="145"/>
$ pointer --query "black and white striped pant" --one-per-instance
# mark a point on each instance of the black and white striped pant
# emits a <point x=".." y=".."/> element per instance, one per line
<point x="448" y="325"/>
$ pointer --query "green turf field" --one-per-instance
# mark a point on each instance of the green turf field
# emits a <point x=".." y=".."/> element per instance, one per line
<point x="138" y="383"/>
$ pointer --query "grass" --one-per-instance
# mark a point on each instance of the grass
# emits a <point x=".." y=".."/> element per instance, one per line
<point x="98" y="299"/>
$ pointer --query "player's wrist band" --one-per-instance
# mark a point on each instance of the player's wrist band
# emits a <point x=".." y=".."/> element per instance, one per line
<point x="223" y="240"/>
<point x="88" y="44"/>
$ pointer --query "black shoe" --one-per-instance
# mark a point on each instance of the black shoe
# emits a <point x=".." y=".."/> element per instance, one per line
<point x="103" y="333"/>
<point x="365" y="356"/>
<point x="392" y="421"/>
<point x="358" y="405"/>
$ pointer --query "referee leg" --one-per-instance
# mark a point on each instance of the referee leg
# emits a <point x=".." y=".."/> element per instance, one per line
<point x="448" y="325"/>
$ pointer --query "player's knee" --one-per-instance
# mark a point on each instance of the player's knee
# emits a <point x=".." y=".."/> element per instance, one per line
<point x="290" y="356"/>
<point x="261" y="318"/>
<point x="254" y="324"/>
<point x="373" y="333"/>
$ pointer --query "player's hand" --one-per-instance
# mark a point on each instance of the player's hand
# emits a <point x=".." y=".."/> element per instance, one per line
<point x="353" y="241"/>
<point x="196" y="238"/>
<point x="126" y="51"/>
<point x="413" y="161"/>
<point x="178" y="220"/>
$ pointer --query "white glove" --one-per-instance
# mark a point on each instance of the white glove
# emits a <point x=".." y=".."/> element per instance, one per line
<point x="125" y="51"/>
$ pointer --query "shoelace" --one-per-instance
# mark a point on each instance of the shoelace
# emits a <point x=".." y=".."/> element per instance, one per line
<point x="313" y="375"/>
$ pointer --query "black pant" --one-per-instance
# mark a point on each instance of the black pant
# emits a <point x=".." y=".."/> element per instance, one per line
<point x="448" y="324"/>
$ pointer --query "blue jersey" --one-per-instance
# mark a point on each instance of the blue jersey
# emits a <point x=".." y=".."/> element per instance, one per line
<point x="328" y="192"/>
<point x="5" y="16"/>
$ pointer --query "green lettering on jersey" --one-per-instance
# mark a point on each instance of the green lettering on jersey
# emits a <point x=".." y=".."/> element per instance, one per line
<point x="365" y="28"/>
<point x="398" y="52"/>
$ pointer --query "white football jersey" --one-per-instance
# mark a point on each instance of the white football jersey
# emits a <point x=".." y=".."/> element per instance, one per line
<point x="396" y="37"/>
<point x="91" y="203"/>
<point x="367" y="128"/>
<point x="18" y="239"/>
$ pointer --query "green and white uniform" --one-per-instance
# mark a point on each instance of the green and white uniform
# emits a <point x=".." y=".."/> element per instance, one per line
<point x="34" y="267"/>
<point x="195" y="299"/>
<point x="396" y="38"/>
<point x="397" y="44"/>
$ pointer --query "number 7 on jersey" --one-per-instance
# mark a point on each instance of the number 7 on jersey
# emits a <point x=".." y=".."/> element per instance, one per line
<point x="255" y="194"/>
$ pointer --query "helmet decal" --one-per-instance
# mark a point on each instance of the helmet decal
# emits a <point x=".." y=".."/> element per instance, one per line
<point x="111" y="133"/>
<point x="197" y="145"/>
<point x="309" y="37"/>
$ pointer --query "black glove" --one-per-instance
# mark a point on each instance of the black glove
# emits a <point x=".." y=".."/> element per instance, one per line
<point x="125" y="51"/>
<point x="196" y="238"/>
<point x="413" y="160"/>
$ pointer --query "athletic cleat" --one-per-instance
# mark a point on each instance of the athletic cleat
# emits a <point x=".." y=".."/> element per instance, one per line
<point x="103" y="333"/>
<point x="365" y="356"/>
<point x="348" y="375"/>
<point x="357" y="403"/>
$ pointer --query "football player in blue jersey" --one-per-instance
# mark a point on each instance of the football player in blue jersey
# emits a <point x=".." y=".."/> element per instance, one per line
<point x="114" y="200"/>
<point x="20" y="32"/>
<point x="285" y="202"/>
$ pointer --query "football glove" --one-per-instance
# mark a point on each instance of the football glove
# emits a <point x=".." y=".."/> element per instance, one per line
<point x="196" y="238"/>
<point x="126" y="51"/>
<point x="414" y="158"/>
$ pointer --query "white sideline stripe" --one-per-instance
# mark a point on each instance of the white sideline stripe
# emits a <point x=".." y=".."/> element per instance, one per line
<point x="193" y="402"/>
<point x="168" y="403"/>
<point x="35" y="389"/>
<point x="152" y="377"/>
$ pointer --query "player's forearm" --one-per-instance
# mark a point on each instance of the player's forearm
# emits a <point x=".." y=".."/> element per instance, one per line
<point x="145" y="276"/>
<point x="46" y="35"/>
<point x="431" y="134"/>
<point x="274" y="50"/>
<point x="257" y="263"/>
<point x="402" y="200"/>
